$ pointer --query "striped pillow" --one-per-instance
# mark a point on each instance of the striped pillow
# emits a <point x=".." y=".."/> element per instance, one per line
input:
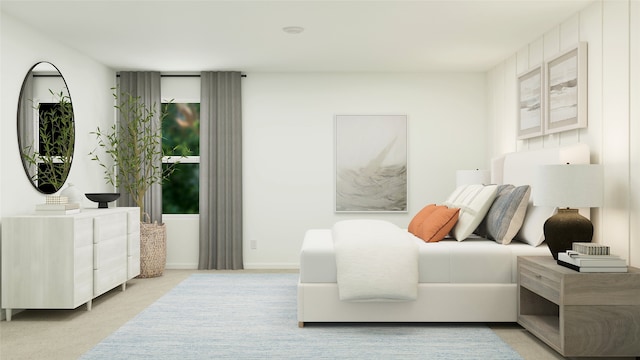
<point x="506" y="215"/>
<point x="474" y="202"/>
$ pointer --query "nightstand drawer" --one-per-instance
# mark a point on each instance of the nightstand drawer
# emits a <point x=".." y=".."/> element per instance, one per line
<point x="540" y="280"/>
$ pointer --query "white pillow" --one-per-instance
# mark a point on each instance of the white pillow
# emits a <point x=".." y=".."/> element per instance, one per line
<point x="474" y="202"/>
<point x="532" y="230"/>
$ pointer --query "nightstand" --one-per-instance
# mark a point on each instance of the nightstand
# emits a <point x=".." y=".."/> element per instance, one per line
<point x="579" y="314"/>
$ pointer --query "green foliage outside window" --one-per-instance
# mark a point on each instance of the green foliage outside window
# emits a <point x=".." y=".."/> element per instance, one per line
<point x="181" y="130"/>
<point x="181" y="190"/>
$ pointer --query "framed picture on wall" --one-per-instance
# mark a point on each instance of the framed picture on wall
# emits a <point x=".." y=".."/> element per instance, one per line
<point x="371" y="163"/>
<point x="530" y="104"/>
<point x="566" y="90"/>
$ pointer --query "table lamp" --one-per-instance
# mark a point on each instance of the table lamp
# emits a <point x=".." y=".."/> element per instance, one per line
<point x="568" y="187"/>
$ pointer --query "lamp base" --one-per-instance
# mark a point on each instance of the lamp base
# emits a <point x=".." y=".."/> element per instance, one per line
<point x="564" y="228"/>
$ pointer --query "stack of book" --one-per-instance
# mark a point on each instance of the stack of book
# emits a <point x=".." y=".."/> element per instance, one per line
<point x="57" y="205"/>
<point x="588" y="257"/>
<point x="590" y="248"/>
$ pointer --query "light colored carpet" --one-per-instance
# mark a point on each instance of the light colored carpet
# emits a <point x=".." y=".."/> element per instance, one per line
<point x="67" y="334"/>
<point x="253" y="316"/>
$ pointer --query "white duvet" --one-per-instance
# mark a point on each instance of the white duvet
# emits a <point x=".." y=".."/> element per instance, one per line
<point x="375" y="260"/>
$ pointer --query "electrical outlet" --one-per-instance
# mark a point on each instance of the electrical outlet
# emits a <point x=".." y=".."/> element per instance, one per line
<point x="254" y="244"/>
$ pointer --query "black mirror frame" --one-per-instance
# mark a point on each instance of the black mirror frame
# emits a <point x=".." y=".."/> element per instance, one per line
<point x="43" y="188"/>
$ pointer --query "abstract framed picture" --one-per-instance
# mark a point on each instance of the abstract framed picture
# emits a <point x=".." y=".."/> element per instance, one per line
<point x="530" y="104"/>
<point x="566" y="90"/>
<point x="371" y="163"/>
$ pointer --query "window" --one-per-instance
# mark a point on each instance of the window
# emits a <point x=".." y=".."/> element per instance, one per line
<point x="50" y="130"/>
<point x="54" y="145"/>
<point x="181" y="135"/>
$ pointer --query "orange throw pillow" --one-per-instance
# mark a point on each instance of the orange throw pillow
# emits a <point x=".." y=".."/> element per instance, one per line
<point x="438" y="224"/>
<point x="419" y="218"/>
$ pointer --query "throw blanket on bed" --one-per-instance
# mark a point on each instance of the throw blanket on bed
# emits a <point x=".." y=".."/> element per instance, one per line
<point x="375" y="260"/>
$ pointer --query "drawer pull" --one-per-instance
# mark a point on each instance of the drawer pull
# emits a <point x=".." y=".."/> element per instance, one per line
<point x="538" y="276"/>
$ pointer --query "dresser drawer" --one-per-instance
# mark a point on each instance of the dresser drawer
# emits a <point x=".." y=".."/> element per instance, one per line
<point x="133" y="244"/>
<point x="540" y="280"/>
<point x="106" y="251"/>
<point x="109" y="277"/>
<point x="83" y="230"/>
<point x="133" y="222"/>
<point x="109" y="226"/>
<point x="133" y="266"/>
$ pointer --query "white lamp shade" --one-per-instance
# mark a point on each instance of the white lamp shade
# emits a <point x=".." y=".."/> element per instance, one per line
<point x="471" y="177"/>
<point x="568" y="186"/>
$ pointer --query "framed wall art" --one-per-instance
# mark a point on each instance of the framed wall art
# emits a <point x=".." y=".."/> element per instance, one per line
<point x="530" y="104"/>
<point x="371" y="163"/>
<point x="566" y="90"/>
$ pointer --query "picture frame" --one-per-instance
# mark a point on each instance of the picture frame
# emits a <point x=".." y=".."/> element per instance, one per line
<point x="530" y="103"/>
<point x="371" y="161"/>
<point x="566" y="90"/>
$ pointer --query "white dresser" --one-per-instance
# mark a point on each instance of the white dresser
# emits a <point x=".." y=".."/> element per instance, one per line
<point x="64" y="261"/>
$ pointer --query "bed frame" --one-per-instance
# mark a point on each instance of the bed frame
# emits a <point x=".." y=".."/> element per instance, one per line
<point x="441" y="302"/>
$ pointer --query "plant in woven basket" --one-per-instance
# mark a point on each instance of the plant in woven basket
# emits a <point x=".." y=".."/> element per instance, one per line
<point x="134" y="148"/>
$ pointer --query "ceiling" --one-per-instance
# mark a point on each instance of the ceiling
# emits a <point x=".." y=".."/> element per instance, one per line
<point x="339" y="36"/>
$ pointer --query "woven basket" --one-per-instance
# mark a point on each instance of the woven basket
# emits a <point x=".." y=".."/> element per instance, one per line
<point x="153" y="249"/>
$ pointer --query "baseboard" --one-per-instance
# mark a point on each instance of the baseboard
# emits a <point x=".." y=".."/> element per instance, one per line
<point x="248" y="266"/>
<point x="272" y="266"/>
<point x="181" y="266"/>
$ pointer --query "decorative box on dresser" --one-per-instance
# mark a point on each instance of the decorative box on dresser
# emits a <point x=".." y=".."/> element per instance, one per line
<point x="579" y="314"/>
<point x="64" y="261"/>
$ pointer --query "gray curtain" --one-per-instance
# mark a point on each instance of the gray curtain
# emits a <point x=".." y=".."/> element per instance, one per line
<point x="146" y="85"/>
<point x="220" y="171"/>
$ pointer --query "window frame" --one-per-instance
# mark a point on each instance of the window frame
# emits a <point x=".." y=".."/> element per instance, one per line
<point x="172" y="159"/>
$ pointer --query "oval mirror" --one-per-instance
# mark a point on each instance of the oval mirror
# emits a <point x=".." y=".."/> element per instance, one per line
<point x="46" y="131"/>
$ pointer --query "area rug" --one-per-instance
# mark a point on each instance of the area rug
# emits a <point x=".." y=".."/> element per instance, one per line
<point x="253" y="316"/>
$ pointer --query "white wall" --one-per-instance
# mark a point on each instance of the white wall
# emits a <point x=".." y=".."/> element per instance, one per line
<point x="89" y="85"/>
<point x="456" y="121"/>
<point x="2" y="174"/>
<point x="288" y="147"/>
<point x="288" y="125"/>
<point x="611" y="30"/>
<point x="634" y="133"/>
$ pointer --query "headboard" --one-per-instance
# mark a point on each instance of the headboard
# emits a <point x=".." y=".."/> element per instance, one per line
<point x="518" y="168"/>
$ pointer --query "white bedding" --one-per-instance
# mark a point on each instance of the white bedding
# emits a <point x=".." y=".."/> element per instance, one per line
<point x="473" y="261"/>
<point x="470" y="281"/>
<point x="375" y="261"/>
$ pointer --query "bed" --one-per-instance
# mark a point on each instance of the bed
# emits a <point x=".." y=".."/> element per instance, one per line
<point x="464" y="277"/>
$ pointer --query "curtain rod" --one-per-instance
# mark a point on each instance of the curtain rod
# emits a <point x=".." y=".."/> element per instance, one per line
<point x="186" y="75"/>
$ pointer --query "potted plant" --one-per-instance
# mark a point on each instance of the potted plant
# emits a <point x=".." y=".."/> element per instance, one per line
<point x="134" y="156"/>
